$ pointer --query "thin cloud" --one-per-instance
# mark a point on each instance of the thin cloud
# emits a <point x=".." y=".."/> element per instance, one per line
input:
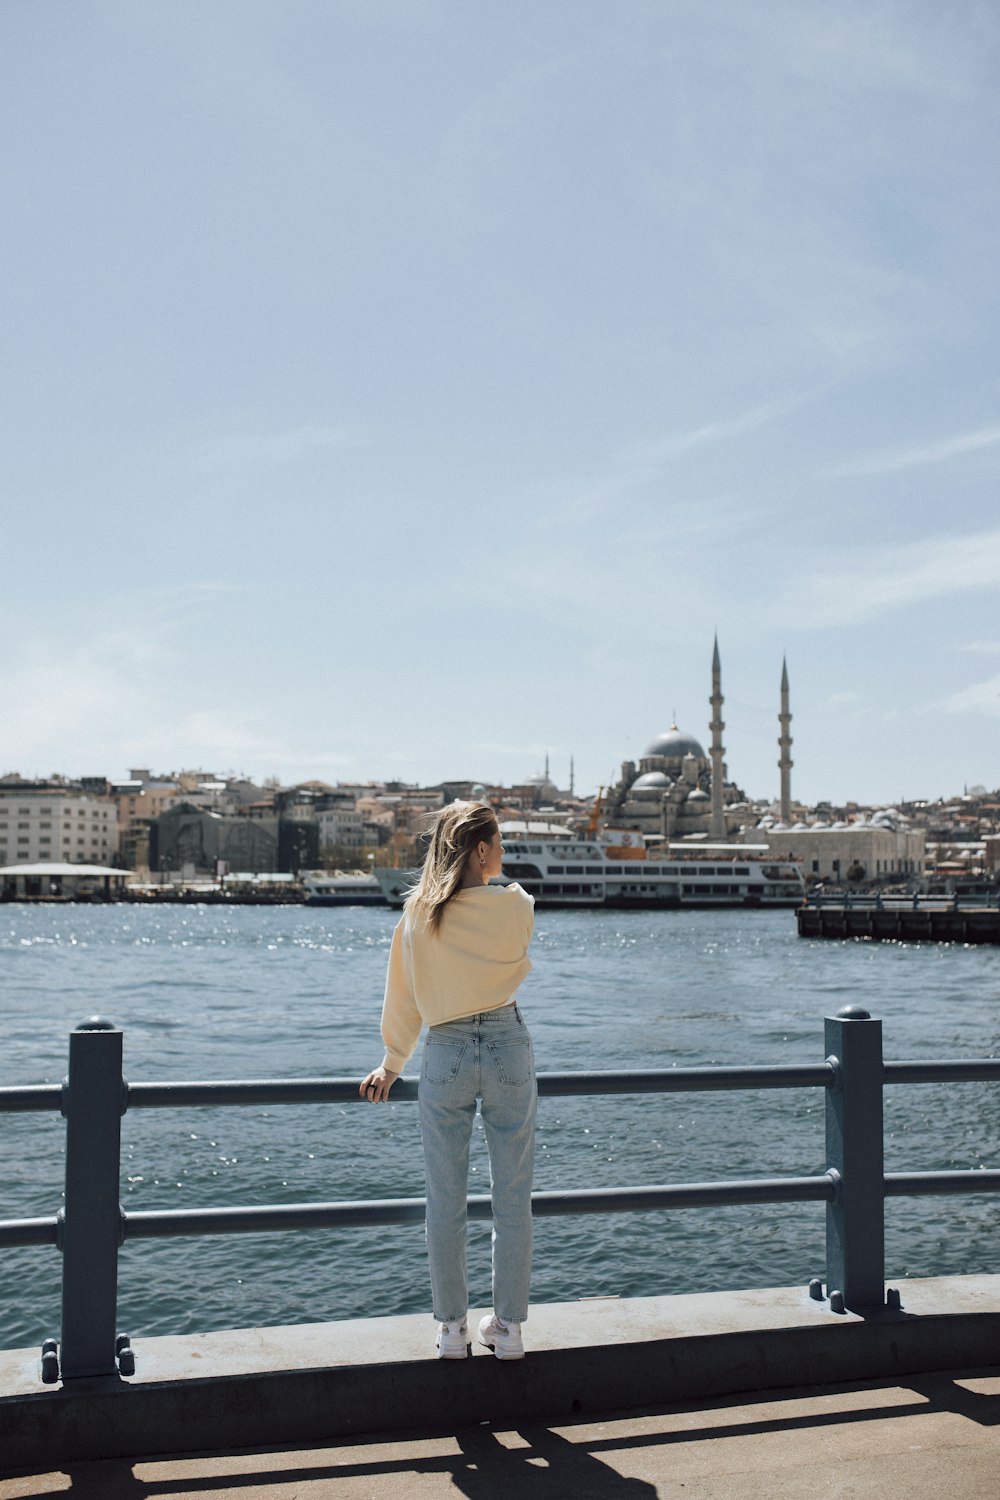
<point x="982" y="648"/>
<point x="981" y="698"/>
<point x="244" y="450"/>
<point x="872" y="584"/>
<point x="641" y="465"/>
<point x="646" y="461"/>
<point x="889" y="461"/>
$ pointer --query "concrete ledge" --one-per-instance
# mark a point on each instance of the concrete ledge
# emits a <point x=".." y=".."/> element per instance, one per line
<point x="308" y="1384"/>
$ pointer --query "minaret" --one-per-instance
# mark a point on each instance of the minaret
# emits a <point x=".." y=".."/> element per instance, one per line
<point x="785" y="745"/>
<point x="571" y="775"/>
<point x="717" y="827"/>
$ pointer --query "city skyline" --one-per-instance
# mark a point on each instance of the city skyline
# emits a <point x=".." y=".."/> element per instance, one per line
<point x="407" y="391"/>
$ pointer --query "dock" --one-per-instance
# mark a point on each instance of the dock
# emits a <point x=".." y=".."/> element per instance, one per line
<point x="914" y="919"/>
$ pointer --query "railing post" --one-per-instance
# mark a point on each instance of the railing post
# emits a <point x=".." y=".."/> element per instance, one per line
<point x="855" y="1221"/>
<point x="93" y="1099"/>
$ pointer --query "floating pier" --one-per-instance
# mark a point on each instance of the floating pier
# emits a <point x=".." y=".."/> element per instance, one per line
<point x="914" y="920"/>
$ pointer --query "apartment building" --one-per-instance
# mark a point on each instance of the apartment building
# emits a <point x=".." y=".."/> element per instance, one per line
<point x="62" y="826"/>
<point x="342" y="827"/>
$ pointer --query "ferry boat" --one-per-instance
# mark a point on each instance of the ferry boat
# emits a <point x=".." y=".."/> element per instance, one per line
<point x="342" y="890"/>
<point x="618" y="871"/>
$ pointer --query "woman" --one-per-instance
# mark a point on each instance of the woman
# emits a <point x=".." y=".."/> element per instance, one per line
<point x="459" y="953"/>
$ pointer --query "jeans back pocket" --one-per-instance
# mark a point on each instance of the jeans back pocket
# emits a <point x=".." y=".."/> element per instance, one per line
<point x="512" y="1059"/>
<point x="442" y="1059"/>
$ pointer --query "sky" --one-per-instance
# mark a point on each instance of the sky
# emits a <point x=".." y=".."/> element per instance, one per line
<point x="414" y="388"/>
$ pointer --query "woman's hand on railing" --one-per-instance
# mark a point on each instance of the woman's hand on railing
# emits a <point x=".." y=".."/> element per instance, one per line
<point x="375" y="1088"/>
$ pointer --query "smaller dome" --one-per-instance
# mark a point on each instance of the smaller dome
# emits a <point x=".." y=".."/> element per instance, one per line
<point x="699" y="796"/>
<point x="651" y="781"/>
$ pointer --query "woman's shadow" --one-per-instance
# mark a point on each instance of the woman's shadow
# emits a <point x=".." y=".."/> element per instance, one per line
<point x="550" y="1467"/>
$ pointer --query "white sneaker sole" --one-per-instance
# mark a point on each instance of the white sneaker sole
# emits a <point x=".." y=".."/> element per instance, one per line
<point x="501" y="1351"/>
<point x="455" y="1351"/>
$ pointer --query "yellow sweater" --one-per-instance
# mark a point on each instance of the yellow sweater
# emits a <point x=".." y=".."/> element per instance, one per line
<point x="474" y="962"/>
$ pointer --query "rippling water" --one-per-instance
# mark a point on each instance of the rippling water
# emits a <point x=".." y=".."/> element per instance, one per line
<point x="203" y="992"/>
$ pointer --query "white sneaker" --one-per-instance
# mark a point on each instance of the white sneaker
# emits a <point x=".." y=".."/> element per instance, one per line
<point x="503" y="1338"/>
<point x="453" y="1340"/>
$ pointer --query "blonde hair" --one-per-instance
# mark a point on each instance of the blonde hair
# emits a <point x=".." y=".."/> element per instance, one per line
<point x="455" y="832"/>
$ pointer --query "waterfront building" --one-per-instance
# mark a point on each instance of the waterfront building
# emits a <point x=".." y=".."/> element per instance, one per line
<point x="186" y="839"/>
<point x="869" y="851"/>
<point x="140" y="800"/>
<point x="52" y="823"/>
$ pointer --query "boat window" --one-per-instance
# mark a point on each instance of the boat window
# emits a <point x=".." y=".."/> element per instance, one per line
<point x="574" y="869"/>
<point x="594" y="870"/>
<point x="557" y="869"/>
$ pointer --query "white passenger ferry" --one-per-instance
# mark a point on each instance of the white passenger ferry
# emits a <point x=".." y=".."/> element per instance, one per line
<point x="357" y="889"/>
<point x="617" y="870"/>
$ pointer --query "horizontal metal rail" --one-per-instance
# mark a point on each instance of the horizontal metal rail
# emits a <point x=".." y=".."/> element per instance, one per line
<point x="32" y="1097"/>
<point x="17" y="1232"/>
<point x="550" y="1085"/>
<point x="170" y="1223"/>
<point x="972" y="1070"/>
<point x="208" y="1093"/>
<point x="268" y="1218"/>
<point x="938" y="1184"/>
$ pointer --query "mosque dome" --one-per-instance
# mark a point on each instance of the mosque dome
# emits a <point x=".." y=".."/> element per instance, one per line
<point x="674" y="744"/>
<point x="699" y="796"/>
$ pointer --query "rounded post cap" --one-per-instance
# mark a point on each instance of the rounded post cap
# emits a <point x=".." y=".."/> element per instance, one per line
<point x="97" y="1023"/>
<point x="853" y="1013"/>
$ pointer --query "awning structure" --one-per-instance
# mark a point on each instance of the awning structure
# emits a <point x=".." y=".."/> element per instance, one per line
<point x="53" y="867"/>
<point x="52" y="881"/>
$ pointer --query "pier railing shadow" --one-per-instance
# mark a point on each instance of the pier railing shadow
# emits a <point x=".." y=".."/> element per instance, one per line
<point x="92" y="1226"/>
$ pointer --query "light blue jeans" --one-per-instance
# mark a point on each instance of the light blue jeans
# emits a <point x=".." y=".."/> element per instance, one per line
<point x="487" y="1057"/>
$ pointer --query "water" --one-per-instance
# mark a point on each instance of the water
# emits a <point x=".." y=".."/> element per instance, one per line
<point x="204" y="992"/>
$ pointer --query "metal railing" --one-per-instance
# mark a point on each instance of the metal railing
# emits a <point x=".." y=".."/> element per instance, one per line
<point x="92" y="1225"/>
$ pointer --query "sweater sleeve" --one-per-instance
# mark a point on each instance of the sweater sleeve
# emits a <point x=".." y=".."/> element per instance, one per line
<point x="400" y="1016"/>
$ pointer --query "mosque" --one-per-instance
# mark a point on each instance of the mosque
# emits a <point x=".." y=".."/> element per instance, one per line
<point x="678" y="792"/>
